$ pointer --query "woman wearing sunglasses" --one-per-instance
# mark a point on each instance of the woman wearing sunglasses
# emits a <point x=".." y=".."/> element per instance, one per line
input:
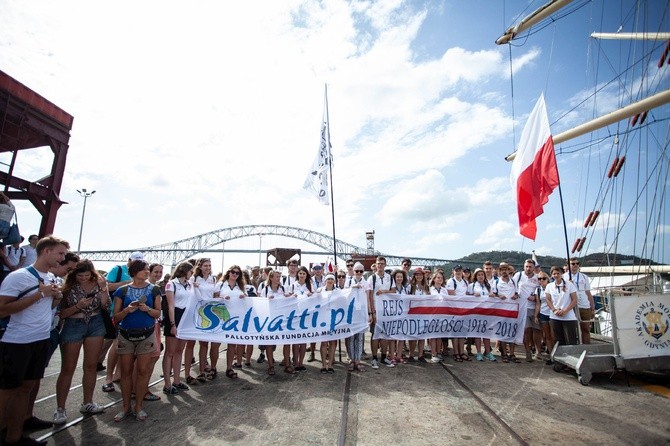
<point x="232" y="285"/>
<point x="204" y="287"/>
<point x="562" y="299"/>
<point x="543" y="314"/>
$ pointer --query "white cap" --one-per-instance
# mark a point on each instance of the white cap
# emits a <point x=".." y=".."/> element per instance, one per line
<point x="358" y="265"/>
<point x="137" y="256"/>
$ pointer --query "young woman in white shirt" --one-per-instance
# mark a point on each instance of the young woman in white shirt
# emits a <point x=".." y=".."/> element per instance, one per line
<point x="481" y="288"/>
<point x="418" y="287"/>
<point x="273" y="289"/>
<point x="178" y="294"/>
<point x="327" y="347"/>
<point x="561" y="298"/>
<point x="232" y="285"/>
<point x="300" y="289"/>
<point x="437" y="288"/>
<point x="204" y="287"/>
<point x="543" y="314"/>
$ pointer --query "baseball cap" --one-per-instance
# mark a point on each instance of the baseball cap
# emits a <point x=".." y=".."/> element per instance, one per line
<point x="318" y="266"/>
<point x="457" y="267"/>
<point x="137" y="255"/>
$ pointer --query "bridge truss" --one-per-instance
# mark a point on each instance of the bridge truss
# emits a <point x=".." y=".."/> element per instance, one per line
<point x="180" y="250"/>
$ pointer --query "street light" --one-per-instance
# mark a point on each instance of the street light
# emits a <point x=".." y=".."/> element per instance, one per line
<point x="84" y="193"/>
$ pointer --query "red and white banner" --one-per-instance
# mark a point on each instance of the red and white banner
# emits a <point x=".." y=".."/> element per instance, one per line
<point x="534" y="172"/>
<point x="401" y="317"/>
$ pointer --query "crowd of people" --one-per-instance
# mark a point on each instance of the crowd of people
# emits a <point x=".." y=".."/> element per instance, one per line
<point x="52" y="299"/>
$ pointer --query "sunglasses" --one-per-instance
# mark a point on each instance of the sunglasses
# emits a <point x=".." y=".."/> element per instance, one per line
<point x="574" y="263"/>
<point x="543" y="278"/>
<point x="341" y="277"/>
<point x="350" y="265"/>
<point x="358" y="271"/>
<point x="237" y="273"/>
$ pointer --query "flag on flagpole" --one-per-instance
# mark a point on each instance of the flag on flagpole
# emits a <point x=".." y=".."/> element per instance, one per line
<point x="329" y="266"/>
<point x="534" y="172"/>
<point x="318" y="179"/>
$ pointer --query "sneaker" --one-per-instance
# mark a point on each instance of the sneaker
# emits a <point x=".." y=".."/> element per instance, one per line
<point x="374" y="364"/>
<point x="440" y="357"/>
<point x="311" y="357"/>
<point x="99" y="367"/>
<point x="435" y="359"/>
<point x="261" y="358"/>
<point x="529" y="356"/>
<point x="172" y="390"/>
<point x="538" y="357"/>
<point x="391" y="365"/>
<point x="91" y="408"/>
<point x="60" y="416"/>
<point x="480" y="357"/>
<point x="387" y="362"/>
<point x="490" y="357"/>
<point x="182" y="386"/>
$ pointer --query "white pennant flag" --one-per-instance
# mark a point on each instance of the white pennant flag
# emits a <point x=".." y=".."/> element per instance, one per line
<point x="318" y="179"/>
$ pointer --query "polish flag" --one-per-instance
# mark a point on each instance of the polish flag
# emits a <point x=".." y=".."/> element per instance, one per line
<point x="330" y="268"/>
<point x="534" y="173"/>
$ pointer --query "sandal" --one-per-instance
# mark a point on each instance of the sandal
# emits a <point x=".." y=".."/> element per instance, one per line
<point x="359" y="368"/>
<point x="248" y="364"/>
<point x="202" y="378"/>
<point x="109" y="387"/>
<point x="331" y="370"/>
<point x="514" y="359"/>
<point x="230" y="373"/>
<point x="212" y="374"/>
<point x="324" y="370"/>
<point x="122" y="416"/>
<point x="236" y="365"/>
<point x="457" y="358"/>
<point x="141" y="415"/>
<point x="288" y="369"/>
<point x="190" y="380"/>
<point x="504" y="358"/>
<point x="465" y="357"/>
<point x="271" y="370"/>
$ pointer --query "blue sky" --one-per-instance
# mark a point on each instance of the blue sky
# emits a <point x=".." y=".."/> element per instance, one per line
<point x="189" y="119"/>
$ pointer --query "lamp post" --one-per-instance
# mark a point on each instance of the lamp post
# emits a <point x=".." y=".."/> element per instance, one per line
<point x="84" y="193"/>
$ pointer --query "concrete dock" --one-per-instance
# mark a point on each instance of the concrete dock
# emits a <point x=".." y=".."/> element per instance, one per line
<point x="415" y="404"/>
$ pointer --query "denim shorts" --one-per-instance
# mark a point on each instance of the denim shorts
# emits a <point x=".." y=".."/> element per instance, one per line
<point x="76" y="329"/>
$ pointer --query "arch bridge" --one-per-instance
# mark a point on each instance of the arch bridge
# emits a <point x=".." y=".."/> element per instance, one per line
<point x="180" y="250"/>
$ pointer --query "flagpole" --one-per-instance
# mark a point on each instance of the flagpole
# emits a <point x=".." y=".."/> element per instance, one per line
<point x="332" y="195"/>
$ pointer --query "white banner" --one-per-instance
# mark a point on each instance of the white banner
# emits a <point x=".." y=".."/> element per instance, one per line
<point x="323" y="316"/>
<point x="403" y="317"/>
<point x="642" y="324"/>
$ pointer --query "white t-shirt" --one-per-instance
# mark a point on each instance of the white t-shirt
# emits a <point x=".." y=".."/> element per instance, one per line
<point x="363" y="283"/>
<point x="14" y="256"/>
<point x="318" y="283"/>
<point x="269" y="293"/>
<point x="182" y="293"/>
<point x="507" y="289"/>
<point x="527" y="287"/>
<point x="287" y="281"/>
<point x="583" y="284"/>
<point x="544" y="307"/>
<point x="377" y="282"/>
<point x="459" y="286"/>
<point x="298" y="289"/>
<point x="33" y="323"/>
<point x="442" y="291"/>
<point x="477" y="289"/>
<point x="561" y="299"/>
<point x="31" y="255"/>
<point x="206" y="287"/>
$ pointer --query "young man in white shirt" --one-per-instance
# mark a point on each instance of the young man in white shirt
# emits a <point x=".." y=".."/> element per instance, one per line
<point x="379" y="283"/>
<point x="30" y="251"/>
<point x="28" y="296"/>
<point x="585" y="303"/>
<point x="504" y="288"/>
<point x="317" y="282"/>
<point x="527" y="283"/>
<point x="16" y="256"/>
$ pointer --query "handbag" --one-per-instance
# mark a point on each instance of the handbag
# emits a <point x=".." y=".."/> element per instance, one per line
<point x="111" y="331"/>
<point x="14" y="236"/>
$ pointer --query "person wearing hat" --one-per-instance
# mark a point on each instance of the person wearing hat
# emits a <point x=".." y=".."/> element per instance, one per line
<point x="116" y="278"/>
<point x="504" y="288"/>
<point x="480" y="287"/>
